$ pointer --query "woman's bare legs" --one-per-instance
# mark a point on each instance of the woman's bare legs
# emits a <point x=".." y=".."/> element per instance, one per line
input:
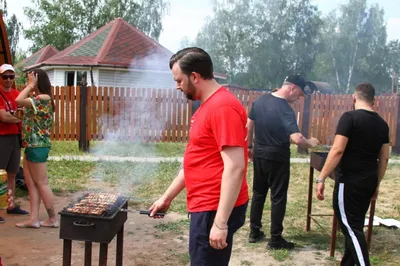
<point x="34" y="198"/>
<point x="39" y="176"/>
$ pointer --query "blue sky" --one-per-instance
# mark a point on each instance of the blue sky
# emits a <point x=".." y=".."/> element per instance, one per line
<point x="187" y="16"/>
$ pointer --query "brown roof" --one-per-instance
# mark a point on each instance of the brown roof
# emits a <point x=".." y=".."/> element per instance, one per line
<point x="116" y="44"/>
<point x="40" y="56"/>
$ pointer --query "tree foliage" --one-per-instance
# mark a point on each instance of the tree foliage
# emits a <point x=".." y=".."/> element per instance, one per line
<point x="13" y="28"/>
<point x="259" y="42"/>
<point x="62" y="22"/>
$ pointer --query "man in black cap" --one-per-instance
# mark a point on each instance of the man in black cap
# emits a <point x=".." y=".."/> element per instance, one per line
<point x="275" y="127"/>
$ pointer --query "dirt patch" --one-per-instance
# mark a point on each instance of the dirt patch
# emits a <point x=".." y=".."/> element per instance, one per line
<point x="145" y="243"/>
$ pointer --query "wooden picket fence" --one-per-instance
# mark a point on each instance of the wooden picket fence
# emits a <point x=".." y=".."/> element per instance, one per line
<point x="163" y="115"/>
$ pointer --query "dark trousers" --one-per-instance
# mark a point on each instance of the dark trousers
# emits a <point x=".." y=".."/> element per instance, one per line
<point x="201" y="253"/>
<point x="275" y="176"/>
<point x="351" y="202"/>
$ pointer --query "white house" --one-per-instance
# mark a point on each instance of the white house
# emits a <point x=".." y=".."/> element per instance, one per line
<point x="116" y="55"/>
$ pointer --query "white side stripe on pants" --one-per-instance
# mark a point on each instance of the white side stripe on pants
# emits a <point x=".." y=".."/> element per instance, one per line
<point x="344" y="220"/>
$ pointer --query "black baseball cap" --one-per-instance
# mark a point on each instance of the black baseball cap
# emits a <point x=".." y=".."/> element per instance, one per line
<point x="300" y="82"/>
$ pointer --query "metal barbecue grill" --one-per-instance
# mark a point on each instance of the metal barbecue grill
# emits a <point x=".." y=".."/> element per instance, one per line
<point x="99" y="228"/>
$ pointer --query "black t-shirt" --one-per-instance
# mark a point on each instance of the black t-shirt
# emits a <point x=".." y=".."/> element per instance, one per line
<point x="367" y="132"/>
<point x="274" y="122"/>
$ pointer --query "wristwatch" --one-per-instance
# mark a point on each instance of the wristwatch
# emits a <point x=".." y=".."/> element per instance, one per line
<point x="320" y="180"/>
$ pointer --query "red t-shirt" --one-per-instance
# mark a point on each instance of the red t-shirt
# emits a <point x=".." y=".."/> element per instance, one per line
<point x="220" y="121"/>
<point x="9" y="128"/>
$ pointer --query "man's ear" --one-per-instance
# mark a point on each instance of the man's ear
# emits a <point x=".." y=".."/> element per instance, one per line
<point x="194" y="77"/>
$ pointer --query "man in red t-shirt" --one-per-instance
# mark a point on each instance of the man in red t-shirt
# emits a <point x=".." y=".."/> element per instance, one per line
<point x="215" y="161"/>
<point x="10" y="130"/>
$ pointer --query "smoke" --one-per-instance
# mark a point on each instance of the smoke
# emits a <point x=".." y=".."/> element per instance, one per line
<point x="133" y="120"/>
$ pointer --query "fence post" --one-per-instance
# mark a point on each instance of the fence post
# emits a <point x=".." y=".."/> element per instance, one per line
<point x="396" y="148"/>
<point x="305" y="124"/>
<point x="83" y="141"/>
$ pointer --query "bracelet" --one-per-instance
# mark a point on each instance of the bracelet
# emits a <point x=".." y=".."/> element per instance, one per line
<point x="320" y="180"/>
<point x="220" y="228"/>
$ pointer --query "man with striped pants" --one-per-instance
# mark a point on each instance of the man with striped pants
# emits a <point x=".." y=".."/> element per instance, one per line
<point x="361" y="146"/>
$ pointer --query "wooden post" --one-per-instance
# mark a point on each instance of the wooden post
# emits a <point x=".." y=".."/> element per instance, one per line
<point x="306" y="122"/>
<point x="396" y="148"/>
<point x="83" y="141"/>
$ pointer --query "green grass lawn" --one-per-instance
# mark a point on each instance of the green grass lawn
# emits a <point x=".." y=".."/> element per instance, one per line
<point x="128" y="148"/>
<point x="120" y="148"/>
<point x="147" y="181"/>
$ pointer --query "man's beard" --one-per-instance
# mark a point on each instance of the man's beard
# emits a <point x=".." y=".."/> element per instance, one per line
<point x="191" y="91"/>
<point x="189" y="96"/>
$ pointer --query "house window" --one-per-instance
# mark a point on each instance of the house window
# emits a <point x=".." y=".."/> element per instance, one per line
<point x="82" y="78"/>
<point x="69" y="78"/>
<point x="75" y="78"/>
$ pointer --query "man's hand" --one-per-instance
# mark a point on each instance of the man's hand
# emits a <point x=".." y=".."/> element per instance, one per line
<point x="159" y="205"/>
<point x="251" y="154"/>
<point x="218" y="235"/>
<point x="313" y="142"/>
<point x="375" y="196"/>
<point x="319" y="190"/>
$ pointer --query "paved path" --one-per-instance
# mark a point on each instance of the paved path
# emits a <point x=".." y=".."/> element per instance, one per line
<point x="110" y="158"/>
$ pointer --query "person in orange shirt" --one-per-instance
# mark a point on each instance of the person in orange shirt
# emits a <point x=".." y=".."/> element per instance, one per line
<point x="10" y="132"/>
<point x="215" y="161"/>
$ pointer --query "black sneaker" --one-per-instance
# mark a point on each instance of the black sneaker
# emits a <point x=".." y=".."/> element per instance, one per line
<point x="256" y="235"/>
<point x="2" y="220"/>
<point x="17" y="210"/>
<point x="280" y="244"/>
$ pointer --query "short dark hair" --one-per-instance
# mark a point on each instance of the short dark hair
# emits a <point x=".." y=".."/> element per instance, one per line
<point x="193" y="59"/>
<point x="365" y="92"/>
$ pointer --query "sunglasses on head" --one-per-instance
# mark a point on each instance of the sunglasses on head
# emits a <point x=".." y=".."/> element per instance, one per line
<point x="5" y="77"/>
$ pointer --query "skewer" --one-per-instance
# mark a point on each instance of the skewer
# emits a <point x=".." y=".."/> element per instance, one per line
<point x="146" y="212"/>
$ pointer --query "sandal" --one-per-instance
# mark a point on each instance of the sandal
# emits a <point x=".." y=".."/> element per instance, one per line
<point x="22" y="225"/>
<point x="56" y="224"/>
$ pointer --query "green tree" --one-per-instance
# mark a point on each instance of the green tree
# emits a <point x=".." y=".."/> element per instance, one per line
<point x="259" y="42"/>
<point x="354" y="47"/>
<point x="53" y="22"/>
<point x="63" y="22"/>
<point x="393" y="63"/>
<point x="13" y="28"/>
<point x="226" y="36"/>
<point x="21" y="78"/>
<point x="288" y="42"/>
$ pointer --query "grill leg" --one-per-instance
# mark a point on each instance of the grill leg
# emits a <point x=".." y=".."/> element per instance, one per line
<point x="310" y="194"/>
<point x="103" y="254"/>
<point x="88" y="253"/>
<point x="370" y="223"/>
<point x="67" y="249"/>
<point x="333" y="236"/>
<point x="120" y="246"/>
